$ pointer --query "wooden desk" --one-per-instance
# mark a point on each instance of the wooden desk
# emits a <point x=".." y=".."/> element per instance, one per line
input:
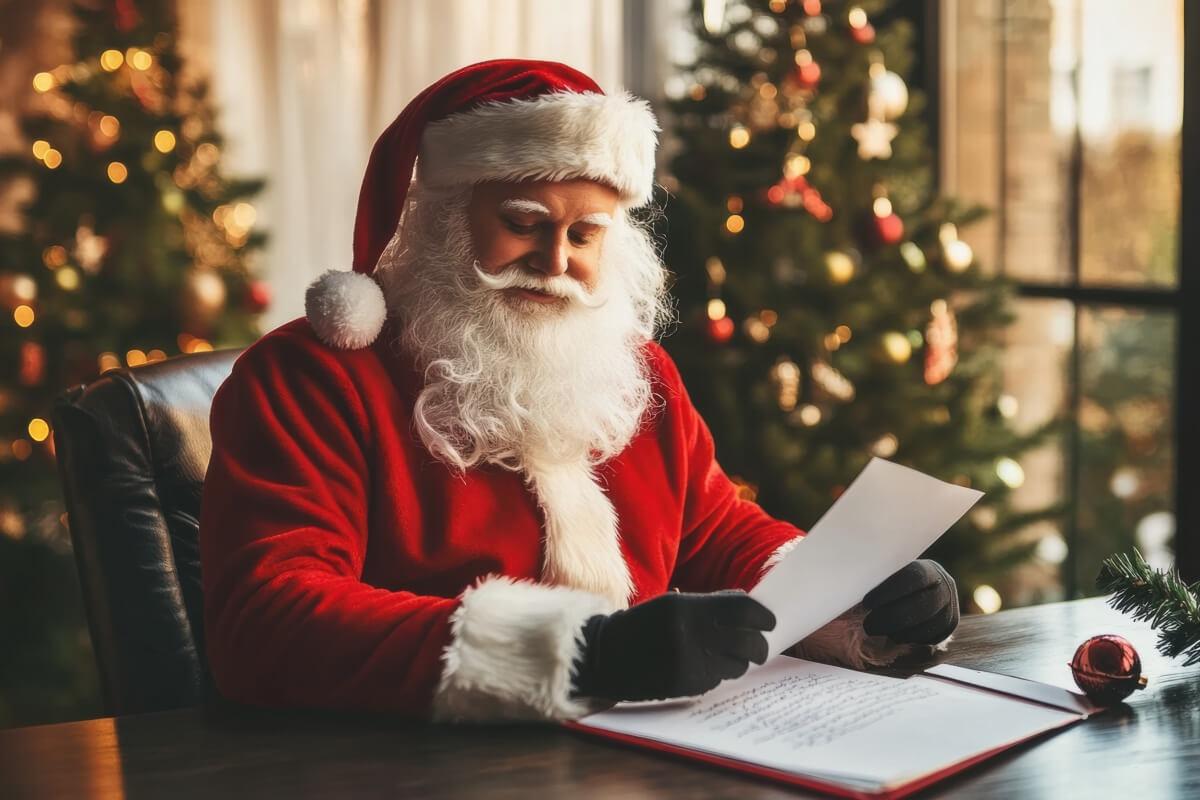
<point x="1148" y="749"/>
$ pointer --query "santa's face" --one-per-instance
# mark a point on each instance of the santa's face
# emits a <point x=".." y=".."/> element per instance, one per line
<point x="550" y="232"/>
<point x="514" y="377"/>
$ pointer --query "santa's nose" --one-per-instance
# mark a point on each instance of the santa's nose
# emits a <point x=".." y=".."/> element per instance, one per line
<point x="552" y="257"/>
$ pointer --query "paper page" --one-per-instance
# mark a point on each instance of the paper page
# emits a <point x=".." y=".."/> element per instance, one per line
<point x="887" y="517"/>
<point x="823" y="721"/>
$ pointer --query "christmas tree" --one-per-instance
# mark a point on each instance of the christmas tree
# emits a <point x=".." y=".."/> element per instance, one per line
<point x="830" y="312"/>
<point x="132" y="247"/>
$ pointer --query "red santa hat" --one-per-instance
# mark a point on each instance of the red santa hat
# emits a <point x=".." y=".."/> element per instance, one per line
<point x="507" y="120"/>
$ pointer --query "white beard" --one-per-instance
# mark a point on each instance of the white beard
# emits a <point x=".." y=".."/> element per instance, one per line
<point x="551" y="391"/>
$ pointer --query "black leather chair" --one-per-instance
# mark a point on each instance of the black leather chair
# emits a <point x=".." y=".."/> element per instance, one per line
<point x="132" y="449"/>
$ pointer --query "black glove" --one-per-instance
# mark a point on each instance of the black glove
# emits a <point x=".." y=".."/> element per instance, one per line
<point x="916" y="605"/>
<point x="675" y="645"/>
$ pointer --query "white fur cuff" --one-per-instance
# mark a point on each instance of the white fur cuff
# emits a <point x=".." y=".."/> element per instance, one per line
<point x="844" y="642"/>
<point x="513" y="648"/>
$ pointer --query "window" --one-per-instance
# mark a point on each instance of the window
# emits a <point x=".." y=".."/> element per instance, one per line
<point x="1066" y="119"/>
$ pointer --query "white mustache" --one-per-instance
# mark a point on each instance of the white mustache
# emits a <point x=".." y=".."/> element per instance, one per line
<point x="557" y="286"/>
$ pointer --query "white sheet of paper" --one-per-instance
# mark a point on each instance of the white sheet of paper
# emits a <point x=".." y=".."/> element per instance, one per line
<point x="887" y="517"/>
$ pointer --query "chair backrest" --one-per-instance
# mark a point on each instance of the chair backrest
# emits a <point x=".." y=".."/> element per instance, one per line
<point x="132" y="448"/>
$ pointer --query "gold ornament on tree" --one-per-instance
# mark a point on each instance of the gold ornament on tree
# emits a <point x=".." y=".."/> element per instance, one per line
<point x="956" y="254"/>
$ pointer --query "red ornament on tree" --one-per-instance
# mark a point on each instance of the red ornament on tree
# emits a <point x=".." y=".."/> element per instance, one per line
<point x="1107" y="668"/>
<point x="864" y="34"/>
<point x="808" y="75"/>
<point x="720" y="330"/>
<point x="888" y="229"/>
<point x="259" y="297"/>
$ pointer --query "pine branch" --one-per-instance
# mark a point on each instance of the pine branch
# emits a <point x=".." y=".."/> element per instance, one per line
<point x="1159" y="596"/>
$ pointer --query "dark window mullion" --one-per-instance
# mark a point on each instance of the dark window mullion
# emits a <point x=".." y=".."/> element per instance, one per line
<point x="1187" y="346"/>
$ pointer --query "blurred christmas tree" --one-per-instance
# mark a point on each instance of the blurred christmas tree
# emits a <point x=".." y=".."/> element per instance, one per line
<point x="131" y="247"/>
<point x="830" y="310"/>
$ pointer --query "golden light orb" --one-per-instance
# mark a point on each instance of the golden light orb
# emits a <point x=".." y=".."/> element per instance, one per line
<point x="23" y="315"/>
<point x="52" y="158"/>
<point x="40" y="148"/>
<point x="716" y="308"/>
<point x="1010" y="472"/>
<point x="111" y="60"/>
<point x="141" y="60"/>
<point x="110" y="126"/>
<point x="39" y="429"/>
<point x="67" y="278"/>
<point x="739" y="137"/>
<point x="108" y="361"/>
<point x="117" y="172"/>
<point x="164" y="141"/>
<point x="735" y="223"/>
<point x="897" y="346"/>
<point x="882" y="207"/>
<point x="135" y="358"/>
<point x="43" y="82"/>
<point x="987" y="598"/>
<point x="840" y="266"/>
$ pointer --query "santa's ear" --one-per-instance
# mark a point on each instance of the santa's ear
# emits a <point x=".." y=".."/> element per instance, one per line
<point x="345" y="309"/>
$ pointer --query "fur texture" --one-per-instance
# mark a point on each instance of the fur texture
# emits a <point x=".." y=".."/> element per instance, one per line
<point x="345" y="309"/>
<point x="608" y="138"/>
<point x="513" y="648"/>
<point x="582" y="541"/>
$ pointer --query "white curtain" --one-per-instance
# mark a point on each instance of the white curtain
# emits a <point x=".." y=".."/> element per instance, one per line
<point x="305" y="86"/>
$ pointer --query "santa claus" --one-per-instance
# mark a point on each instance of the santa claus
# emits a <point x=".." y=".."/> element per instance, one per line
<point x="466" y="484"/>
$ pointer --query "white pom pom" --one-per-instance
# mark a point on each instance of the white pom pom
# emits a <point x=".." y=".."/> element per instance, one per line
<point x="345" y="309"/>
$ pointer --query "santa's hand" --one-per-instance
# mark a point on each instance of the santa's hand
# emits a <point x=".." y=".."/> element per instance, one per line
<point x="917" y="605"/>
<point x="675" y="645"/>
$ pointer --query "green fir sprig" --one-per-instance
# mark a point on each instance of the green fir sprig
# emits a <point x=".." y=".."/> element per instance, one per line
<point x="1159" y="596"/>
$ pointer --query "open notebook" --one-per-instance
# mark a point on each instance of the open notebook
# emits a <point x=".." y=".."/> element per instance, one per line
<point x="848" y="733"/>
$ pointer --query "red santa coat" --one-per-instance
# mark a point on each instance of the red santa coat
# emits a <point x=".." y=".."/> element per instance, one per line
<point x="346" y="568"/>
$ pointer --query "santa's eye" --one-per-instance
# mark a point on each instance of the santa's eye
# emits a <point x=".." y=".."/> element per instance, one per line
<point x="516" y="227"/>
<point x="582" y="238"/>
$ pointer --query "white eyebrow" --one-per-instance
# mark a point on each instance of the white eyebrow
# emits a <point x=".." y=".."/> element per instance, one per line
<point x="599" y="218"/>
<point x="521" y="205"/>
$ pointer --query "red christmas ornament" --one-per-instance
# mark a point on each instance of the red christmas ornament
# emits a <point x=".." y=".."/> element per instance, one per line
<point x="889" y="229"/>
<point x="259" y="297"/>
<point x="33" y="364"/>
<point x="808" y="75"/>
<point x="720" y="330"/>
<point x="864" y="34"/>
<point x="1107" y="668"/>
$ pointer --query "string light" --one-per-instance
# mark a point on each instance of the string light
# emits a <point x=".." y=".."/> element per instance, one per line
<point x="108" y="361"/>
<point x="735" y="223"/>
<point x="43" y="82"/>
<point x="135" y="358"/>
<point x="897" y="346"/>
<point x="809" y="415"/>
<point x="843" y="333"/>
<point x="40" y="148"/>
<point x="22" y="449"/>
<point x="38" y="429"/>
<point x="117" y="172"/>
<point x="139" y="59"/>
<point x="52" y="158"/>
<point x="67" y="277"/>
<point x="840" y="266"/>
<point x="155" y="355"/>
<point x="111" y="60"/>
<point x="1010" y="472"/>
<point x="23" y="315"/>
<point x="110" y="126"/>
<point x="739" y="137"/>
<point x="987" y="598"/>
<point x="164" y="141"/>
<point x="716" y="308"/>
